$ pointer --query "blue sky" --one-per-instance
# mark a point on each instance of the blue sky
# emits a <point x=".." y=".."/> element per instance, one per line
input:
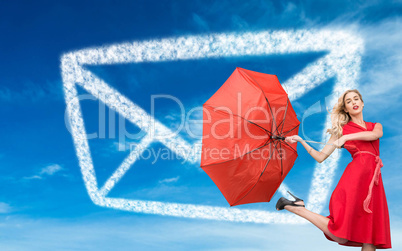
<point x="44" y="204"/>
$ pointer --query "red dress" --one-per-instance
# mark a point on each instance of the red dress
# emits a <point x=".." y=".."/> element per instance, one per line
<point x="358" y="209"/>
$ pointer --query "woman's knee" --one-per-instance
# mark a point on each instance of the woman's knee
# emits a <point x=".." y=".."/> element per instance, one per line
<point x="368" y="246"/>
<point x="342" y="240"/>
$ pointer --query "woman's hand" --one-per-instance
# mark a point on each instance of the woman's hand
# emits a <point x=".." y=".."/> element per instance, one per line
<point x="339" y="142"/>
<point x="293" y="139"/>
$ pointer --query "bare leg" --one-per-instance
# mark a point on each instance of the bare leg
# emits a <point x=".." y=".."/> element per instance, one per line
<point x="368" y="247"/>
<point x="318" y="220"/>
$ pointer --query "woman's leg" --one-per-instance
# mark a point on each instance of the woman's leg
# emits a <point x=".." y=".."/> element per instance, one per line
<point x="368" y="247"/>
<point x="318" y="220"/>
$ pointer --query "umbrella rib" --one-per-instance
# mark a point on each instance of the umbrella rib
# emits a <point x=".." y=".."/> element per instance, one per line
<point x="281" y="161"/>
<point x="264" y="97"/>
<point x="290" y="130"/>
<point x="284" y="117"/>
<point x="281" y="157"/>
<point x="289" y="146"/>
<point x="258" y="177"/>
<point x="265" y="130"/>
<point x="286" y="112"/>
<point x="237" y="157"/>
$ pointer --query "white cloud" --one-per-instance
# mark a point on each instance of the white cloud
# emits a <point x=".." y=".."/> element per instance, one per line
<point x="170" y="180"/>
<point x="51" y="169"/>
<point x="48" y="170"/>
<point x="33" y="177"/>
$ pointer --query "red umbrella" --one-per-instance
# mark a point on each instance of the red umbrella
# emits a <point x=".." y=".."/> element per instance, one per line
<point x="243" y="147"/>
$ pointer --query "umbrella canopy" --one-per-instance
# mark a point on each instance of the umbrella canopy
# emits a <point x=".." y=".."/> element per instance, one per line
<point x="244" y="126"/>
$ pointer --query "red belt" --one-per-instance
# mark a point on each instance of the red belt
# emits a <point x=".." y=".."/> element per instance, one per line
<point x="375" y="179"/>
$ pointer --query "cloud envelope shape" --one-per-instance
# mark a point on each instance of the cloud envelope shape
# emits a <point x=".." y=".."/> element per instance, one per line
<point x="342" y="62"/>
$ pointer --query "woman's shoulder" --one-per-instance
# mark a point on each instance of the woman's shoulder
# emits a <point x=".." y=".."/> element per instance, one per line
<point x="372" y="124"/>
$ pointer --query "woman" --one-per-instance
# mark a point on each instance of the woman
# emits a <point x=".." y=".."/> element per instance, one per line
<point x="358" y="206"/>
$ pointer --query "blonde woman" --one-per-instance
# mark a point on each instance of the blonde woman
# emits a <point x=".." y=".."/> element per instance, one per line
<point x="358" y="207"/>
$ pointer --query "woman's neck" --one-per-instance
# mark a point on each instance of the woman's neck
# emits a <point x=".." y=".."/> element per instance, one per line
<point x="358" y="119"/>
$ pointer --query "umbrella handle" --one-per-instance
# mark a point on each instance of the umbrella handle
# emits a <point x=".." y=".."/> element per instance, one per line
<point x="277" y="137"/>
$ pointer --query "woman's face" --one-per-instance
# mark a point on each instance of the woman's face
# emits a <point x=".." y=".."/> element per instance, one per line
<point x="353" y="103"/>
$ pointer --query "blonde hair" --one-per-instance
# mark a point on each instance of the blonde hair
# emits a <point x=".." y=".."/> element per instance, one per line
<point x="339" y="117"/>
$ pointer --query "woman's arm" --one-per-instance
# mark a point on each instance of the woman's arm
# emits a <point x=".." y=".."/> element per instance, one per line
<point x="318" y="156"/>
<point x="367" y="136"/>
<point x="325" y="152"/>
